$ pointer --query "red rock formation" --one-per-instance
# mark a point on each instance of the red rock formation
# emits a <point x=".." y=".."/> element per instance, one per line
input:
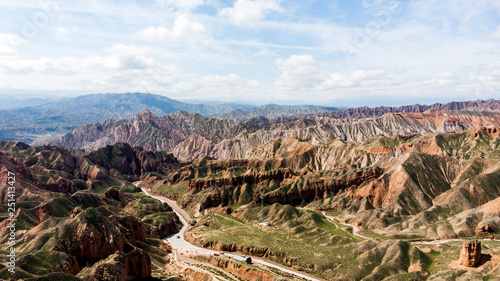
<point x="320" y="188"/>
<point x="485" y="229"/>
<point x="470" y="254"/>
<point x="133" y="229"/>
<point x="112" y="193"/>
<point x="122" y="267"/>
<point x="277" y="175"/>
<point x="91" y="237"/>
<point x="163" y="229"/>
<point x="239" y="270"/>
<point x="191" y="136"/>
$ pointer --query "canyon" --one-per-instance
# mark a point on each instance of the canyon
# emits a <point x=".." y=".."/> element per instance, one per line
<point x="403" y="177"/>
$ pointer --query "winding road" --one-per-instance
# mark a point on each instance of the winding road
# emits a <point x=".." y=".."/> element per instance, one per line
<point x="180" y="244"/>
<point x="356" y="230"/>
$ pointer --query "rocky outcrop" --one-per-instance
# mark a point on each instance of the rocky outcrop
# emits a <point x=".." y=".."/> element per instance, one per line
<point x="132" y="228"/>
<point x="61" y="170"/>
<point x="238" y="270"/>
<point x="131" y="161"/>
<point x="470" y="255"/>
<point x="485" y="229"/>
<point x="277" y="175"/>
<point x="164" y="229"/>
<point x="91" y="237"/>
<point x="112" y="193"/>
<point x="194" y="275"/>
<point x="364" y="112"/>
<point x="121" y="266"/>
<point x="320" y="188"/>
<point x="62" y="185"/>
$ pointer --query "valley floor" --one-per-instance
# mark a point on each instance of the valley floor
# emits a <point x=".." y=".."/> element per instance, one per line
<point x="185" y="252"/>
<point x="444" y="253"/>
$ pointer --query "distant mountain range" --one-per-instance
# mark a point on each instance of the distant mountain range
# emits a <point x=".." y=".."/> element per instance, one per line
<point x="191" y="136"/>
<point x="42" y="119"/>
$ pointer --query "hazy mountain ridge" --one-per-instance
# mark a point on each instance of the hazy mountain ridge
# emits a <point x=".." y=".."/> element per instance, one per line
<point x="272" y="111"/>
<point x="364" y="112"/>
<point x="191" y="136"/>
<point x="42" y="119"/>
<point x="11" y="102"/>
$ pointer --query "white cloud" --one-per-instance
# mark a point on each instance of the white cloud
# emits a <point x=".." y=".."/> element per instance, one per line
<point x="298" y="71"/>
<point x="266" y="53"/>
<point x="335" y="81"/>
<point x="302" y="77"/>
<point x="424" y="49"/>
<point x="9" y="44"/>
<point x="248" y="12"/>
<point x="230" y="87"/>
<point x="358" y="78"/>
<point x="495" y="34"/>
<point x="125" y="68"/>
<point x="367" y="75"/>
<point x="123" y="49"/>
<point x="183" y="28"/>
<point x="446" y="75"/>
<point x="182" y="4"/>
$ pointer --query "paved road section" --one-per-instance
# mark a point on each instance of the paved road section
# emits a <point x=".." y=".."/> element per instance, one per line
<point x="179" y="243"/>
<point x="356" y="230"/>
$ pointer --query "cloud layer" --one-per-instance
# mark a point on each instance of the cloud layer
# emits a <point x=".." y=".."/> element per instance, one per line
<point x="343" y="52"/>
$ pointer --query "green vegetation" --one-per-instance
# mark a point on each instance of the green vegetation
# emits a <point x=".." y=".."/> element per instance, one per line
<point x="380" y="141"/>
<point x="128" y="188"/>
<point x="300" y="234"/>
<point x="159" y="218"/>
<point x="92" y="215"/>
<point x="174" y="190"/>
<point x="42" y="262"/>
<point x="439" y="258"/>
<point x="146" y="205"/>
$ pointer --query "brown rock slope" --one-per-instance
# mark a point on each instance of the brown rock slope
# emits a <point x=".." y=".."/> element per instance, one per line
<point x="77" y="213"/>
<point x="436" y="186"/>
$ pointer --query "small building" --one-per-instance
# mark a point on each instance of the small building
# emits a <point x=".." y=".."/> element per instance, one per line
<point x="265" y="223"/>
<point x="243" y="259"/>
<point x="239" y="258"/>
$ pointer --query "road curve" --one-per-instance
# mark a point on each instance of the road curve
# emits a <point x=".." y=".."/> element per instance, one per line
<point x="355" y="232"/>
<point x="355" y="229"/>
<point x="181" y="243"/>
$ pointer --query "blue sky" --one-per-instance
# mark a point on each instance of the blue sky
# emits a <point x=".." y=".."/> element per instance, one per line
<point x="353" y="52"/>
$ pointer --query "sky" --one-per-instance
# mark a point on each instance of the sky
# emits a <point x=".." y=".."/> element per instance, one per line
<point x="337" y="52"/>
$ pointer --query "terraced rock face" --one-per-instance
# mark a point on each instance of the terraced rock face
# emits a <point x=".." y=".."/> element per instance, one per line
<point x="191" y="136"/>
<point x="434" y="186"/>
